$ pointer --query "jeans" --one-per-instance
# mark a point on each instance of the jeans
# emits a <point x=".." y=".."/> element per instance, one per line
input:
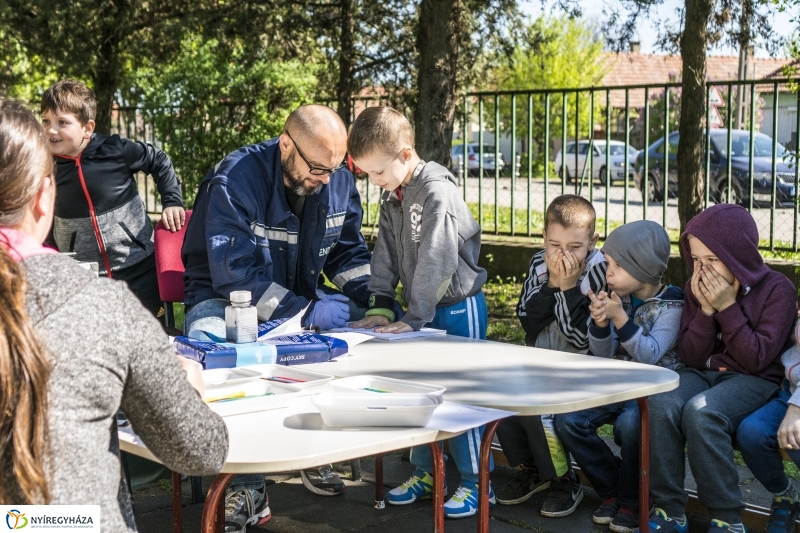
<point x="757" y="438"/>
<point x="702" y="416"/>
<point x="611" y="476"/>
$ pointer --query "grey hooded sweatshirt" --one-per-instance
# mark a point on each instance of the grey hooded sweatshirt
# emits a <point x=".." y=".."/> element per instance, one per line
<point x="430" y="242"/>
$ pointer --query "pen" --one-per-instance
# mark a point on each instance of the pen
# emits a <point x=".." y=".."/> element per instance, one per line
<point x="283" y="380"/>
<point x="375" y="390"/>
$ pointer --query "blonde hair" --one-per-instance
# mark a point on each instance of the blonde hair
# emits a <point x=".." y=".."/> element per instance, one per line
<point x="379" y="130"/>
<point x="24" y="365"/>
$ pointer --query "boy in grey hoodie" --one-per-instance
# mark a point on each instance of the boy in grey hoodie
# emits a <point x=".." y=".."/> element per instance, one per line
<point x="429" y="242"/>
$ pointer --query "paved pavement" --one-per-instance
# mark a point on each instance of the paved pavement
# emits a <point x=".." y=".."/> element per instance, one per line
<point x="296" y="510"/>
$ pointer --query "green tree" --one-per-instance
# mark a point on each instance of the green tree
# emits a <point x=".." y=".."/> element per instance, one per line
<point x="553" y="52"/>
<point x="214" y="98"/>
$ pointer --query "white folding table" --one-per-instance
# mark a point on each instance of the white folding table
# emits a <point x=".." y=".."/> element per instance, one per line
<point x="530" y="381"/>
<point x="290" y="439"/>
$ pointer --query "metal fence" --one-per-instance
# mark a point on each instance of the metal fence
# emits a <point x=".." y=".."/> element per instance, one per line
<point x="513" y="142"/>
<point x="619" y="147"/>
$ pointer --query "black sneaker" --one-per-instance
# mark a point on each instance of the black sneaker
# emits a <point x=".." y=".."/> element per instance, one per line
<point x="247" y="507"/>
<point x="563" y="498"/>
<point x="525" y="484"/>
<point x="625" y="521"/>
<point x="322" y="480"/>
<point x="606" y="512"/>
<point x="783" y="516"/>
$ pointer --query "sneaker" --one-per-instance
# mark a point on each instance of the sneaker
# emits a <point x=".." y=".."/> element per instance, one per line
<point x="718" y="526"/>
<point x="783" y="516"/>
<point x="562" y="499"/>
<point x="661" y="523"/>
<point x="416" y="488"/>
<point x="464" y="502"/>
<point x="525" y="484"/>
<point x="606" y="512"/>
<point x="625" y="521"/>
<point x="322" y="480"/>
<point x="247" y="507"/>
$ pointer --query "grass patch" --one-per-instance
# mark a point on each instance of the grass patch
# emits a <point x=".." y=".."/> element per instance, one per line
<point x="501" y="303"/>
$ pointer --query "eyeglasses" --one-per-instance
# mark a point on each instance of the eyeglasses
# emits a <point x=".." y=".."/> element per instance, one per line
<point x="314" y="171"/>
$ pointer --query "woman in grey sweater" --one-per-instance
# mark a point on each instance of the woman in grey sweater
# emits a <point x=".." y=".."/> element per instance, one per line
<point x="74" y="349"/>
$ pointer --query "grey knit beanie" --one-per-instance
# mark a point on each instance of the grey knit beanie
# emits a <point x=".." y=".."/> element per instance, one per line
<point x="641" y="248"/>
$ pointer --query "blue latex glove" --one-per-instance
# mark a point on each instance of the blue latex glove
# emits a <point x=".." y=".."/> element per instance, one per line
<point x="329" y="312"/>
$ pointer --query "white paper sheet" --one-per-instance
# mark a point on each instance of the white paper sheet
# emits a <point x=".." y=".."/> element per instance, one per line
<point x="424" y="332"/>
<point x="293" y="325"/>
<point x="454" y="417"/>
<point x="351" y="338"/>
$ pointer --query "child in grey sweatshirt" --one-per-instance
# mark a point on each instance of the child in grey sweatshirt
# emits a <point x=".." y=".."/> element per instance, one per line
<point x="429" y="242"/>
<point x="761" y="436"/>
<point x="637" y="320"/>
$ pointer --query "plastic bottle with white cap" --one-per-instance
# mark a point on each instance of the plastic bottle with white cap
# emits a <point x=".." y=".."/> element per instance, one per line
<point x="241" y="318"/>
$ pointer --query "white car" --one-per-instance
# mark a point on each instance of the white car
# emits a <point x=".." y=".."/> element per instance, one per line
<point x="616" y="159"/>
<point x="473" y="152"/>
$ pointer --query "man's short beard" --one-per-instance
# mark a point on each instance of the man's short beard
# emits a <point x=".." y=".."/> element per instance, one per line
<point x="297" y="185"/>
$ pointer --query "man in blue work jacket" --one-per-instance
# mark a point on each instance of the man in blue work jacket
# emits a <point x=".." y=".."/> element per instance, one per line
<point x="270" y="218"/>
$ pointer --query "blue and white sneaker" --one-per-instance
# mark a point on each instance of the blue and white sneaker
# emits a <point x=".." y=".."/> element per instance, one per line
<point x="464" y="502"/>
<point x="718" y="526"/>
<point x="661" y="523"/>
<point x="416" y="488"/>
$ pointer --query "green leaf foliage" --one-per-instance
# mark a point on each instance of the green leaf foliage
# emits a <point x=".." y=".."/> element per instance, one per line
<point x="215" y="98"/>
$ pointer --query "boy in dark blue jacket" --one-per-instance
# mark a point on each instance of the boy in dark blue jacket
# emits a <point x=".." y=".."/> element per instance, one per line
<point x="98" y="214"/>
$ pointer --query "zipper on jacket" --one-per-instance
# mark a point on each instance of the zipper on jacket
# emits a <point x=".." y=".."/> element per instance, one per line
<point x="92" y="214"/>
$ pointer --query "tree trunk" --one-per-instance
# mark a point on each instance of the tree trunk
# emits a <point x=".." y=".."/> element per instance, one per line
<point x="345" y="85"/>
<point x="694" y="42"/>
<point x="106" y="81"/>
<point x="437" y="48"/>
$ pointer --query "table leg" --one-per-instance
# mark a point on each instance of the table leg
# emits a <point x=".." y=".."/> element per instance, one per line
<point x="483" y="476"/>
<point x="177" y="511"/>
<point x="379" y="503"/>
<point x="438" y="487"/>
<point x="214" y="507"/>
<point x="644" y="465"/>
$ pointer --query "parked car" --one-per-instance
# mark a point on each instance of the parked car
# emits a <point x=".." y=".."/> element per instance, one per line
<point x="718" y="180"/>
<point x="473" y="152"/>
<point x="616" y="159"/>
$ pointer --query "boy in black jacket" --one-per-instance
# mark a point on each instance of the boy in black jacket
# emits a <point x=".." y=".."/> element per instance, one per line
<point x="554" y="311"/>
<point x="98" y="213"/>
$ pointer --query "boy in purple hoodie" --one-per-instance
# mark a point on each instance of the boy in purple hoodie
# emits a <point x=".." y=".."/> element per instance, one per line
<point x="737" y="317"/>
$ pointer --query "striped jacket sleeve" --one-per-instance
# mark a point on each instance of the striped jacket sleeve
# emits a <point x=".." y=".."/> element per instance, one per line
<point x="572" y="306"/>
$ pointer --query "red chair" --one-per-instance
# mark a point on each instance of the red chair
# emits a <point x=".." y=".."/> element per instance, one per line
<point x="169" y="270"/>
<point x="169" y="267"/>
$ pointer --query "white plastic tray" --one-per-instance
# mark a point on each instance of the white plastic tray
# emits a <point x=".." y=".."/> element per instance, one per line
<point x="395" y="386"/>
<point x="374" y="409"/>
<point x="228" y="376"/>
<point x="281" y="396"/>
<point x="305" y="381"/>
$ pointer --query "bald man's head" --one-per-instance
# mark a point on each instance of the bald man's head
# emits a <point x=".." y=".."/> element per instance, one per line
<point x="313" y="135"/>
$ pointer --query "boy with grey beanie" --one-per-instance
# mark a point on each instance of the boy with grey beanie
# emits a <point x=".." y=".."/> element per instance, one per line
<point x="638" y="319"/>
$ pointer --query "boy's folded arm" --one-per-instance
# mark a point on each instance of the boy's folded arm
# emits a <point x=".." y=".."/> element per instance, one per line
<point x="573" y="316"/>
<point x="144" y="157"/>
<point x="791" y="364"/>
<point x="602" y="343"/>
<point x="756" y="348"/>
<point x="650" y="347"/>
